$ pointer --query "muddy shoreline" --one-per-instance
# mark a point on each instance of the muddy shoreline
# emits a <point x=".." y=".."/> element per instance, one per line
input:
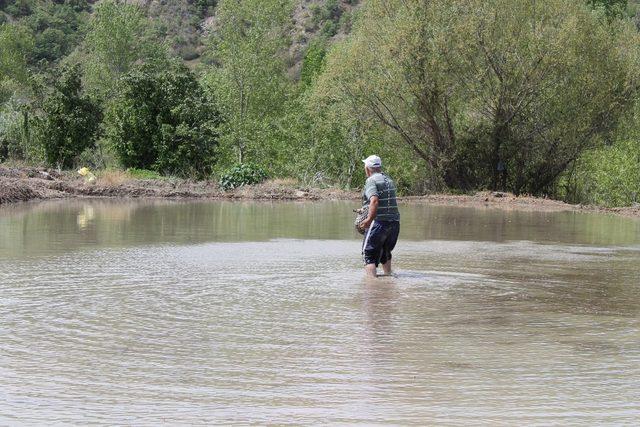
<point x="32" y="184"/>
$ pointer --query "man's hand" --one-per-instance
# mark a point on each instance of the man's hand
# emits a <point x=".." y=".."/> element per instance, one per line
<point x="373" y="211"/>
<point x="366" y="223"/>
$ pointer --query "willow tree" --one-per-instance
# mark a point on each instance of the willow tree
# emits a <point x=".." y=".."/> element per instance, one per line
<point x="469" y="84"/>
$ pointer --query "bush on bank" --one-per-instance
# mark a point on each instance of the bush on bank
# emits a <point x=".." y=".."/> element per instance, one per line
<point x="162" y="120"/>
<point x="607" y="176"/>
<point x="242" y="174"/>
<point x="69" y="121"/>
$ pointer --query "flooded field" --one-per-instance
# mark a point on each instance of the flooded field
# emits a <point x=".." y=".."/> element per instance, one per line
<point x="147" y="313"/>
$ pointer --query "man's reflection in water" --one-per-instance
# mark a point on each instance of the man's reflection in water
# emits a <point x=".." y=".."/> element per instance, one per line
<point x="380" y="299"/>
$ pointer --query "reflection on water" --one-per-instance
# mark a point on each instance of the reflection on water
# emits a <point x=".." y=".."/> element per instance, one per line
<point x="218" y="313"/>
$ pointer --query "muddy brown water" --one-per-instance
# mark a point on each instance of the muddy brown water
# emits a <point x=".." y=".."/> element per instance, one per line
<point x="147" y="313"/>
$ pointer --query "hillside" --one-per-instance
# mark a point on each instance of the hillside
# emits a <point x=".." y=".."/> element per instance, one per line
<point x="184" y="25"/>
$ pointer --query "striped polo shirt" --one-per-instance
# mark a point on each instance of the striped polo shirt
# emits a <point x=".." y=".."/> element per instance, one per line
<point x="382" y="186"/>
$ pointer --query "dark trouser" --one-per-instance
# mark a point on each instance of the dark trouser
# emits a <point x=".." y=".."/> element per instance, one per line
<point x="379" y="241"/>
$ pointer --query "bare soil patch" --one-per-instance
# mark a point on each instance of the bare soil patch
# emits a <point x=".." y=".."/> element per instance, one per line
<point x="508" y="201"/>
<point x="25" y="184"/>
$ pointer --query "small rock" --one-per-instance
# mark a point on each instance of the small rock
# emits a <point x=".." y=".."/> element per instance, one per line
<point x="46" y="175"/>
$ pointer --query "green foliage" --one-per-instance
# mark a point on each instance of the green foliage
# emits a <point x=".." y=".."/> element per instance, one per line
<point x="313" y="62"/>
<point x="317" y="14"/>
<point x="466" y="85"/>
<point x="56" y="27"/>
<point x="205" y="6"/>
<point x="114" y="35"/>
<point x="329" y="29"/>
<point x="162" y="120"/>
<point x="16" y="134"/>
<point x="177" y="24"/>
<point x="19" y="8"/>
<point x="329" y="17"/>
<point x="70" y="120"/>
<point x="143" y="174"/>
<point x="116" y="40"/>
<point x="333" y="9"/>
<point x="51" y="45"/>
<point x="443" y="91"/>
<point x="249" y="76"/>
<point x="607" y="176"/>
<point x="346" y="21"/>
<point x="242" y="174"/>
<point x="16" y="43"/>
<point x="612" y="8"/>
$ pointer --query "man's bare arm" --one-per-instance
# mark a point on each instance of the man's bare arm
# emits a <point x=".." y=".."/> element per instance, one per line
<point x="373" y="210"/>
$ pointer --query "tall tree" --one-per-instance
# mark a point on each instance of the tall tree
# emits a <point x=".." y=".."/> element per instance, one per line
<point x="116" y="40"/>
<point x="469" y="84"/>
<point x="16" y="43"/>
<point x="249" y="72"/>
<point x="70" y="120"/>
<point x="163" y="120"/>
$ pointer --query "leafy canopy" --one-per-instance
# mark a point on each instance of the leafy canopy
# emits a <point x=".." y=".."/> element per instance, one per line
<point x="116" y="40"/>
<point x="248" y="76"/>
<point x="163" y="120"/>
<point x="69" y="121"/>
<point x="466" y="84"/>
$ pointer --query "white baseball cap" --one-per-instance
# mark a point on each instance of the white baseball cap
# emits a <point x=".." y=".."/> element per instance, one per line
<point x="373" y="161"/>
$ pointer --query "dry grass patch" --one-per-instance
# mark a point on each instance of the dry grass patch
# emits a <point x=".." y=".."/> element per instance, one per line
<point x="113" y="177"/>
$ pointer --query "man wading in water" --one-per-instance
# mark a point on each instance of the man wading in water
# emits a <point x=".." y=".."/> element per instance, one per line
<point x="383" y="222"/>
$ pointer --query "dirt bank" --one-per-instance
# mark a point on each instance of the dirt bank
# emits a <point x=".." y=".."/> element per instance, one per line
<point x="508" y="201"/>
<point x="25" y="184"/>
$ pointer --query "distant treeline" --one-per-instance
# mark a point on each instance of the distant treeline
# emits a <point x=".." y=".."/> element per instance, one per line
<point x="533" y="96"/>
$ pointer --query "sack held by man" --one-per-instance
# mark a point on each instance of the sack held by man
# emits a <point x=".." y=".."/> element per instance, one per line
<point x="361" y="216"/>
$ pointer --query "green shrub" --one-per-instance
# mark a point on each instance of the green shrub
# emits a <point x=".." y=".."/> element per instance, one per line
<point x="19" y="8"/>
<point x="162" y="120"/>
<point x="329" y="29"/>
<point x="16" y="46"/>
<point x="12" y="125"/>
<point x="333" y="9"/>
<point x="58" y="27"/>
<point x="465" y="85"/>
<point x="188" y="53"/>
<point x="242" y="174"/>
<point x="70" y="121"/>
<point x="143" y="174"/>
<point x="346" y="21"/>
<point x="317" y="14"/>
<point x="205" y="7"/>
<point x="313" y="62"/>
<point x="606" y="176"/>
